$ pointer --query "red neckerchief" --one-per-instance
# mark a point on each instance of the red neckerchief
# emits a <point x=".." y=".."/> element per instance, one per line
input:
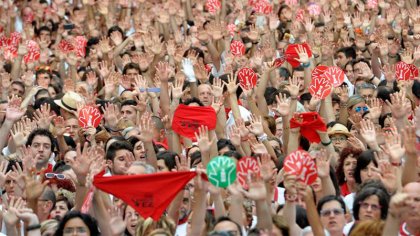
<point x="344" y="190"/>
<point x="404" y="231"/>
<point x="49" y="169"/>
<point x="184" y="220"/>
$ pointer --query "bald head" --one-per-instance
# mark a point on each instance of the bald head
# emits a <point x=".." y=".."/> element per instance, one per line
<point x="205" y="94"/>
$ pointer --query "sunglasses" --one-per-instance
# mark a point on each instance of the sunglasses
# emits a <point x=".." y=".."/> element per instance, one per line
<point x="359" y="109"/>
<point x="335" y="211"/>
<point x="54" y="175"/>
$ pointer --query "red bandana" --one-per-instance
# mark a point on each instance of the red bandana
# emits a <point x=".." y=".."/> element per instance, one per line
<point x="187" y="120"/>
<point x="311" y="122"/>
<point x="148" y="194"/>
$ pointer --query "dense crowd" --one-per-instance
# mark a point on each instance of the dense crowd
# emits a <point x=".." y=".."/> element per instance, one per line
<point x="210" y="117"/>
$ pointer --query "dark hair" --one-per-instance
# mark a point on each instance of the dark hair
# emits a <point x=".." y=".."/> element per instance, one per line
<point x="168" y="157"/>
<point x="20" y="83"/>
<point x="270" y="95"/>
<point x="330" y="198"/>
<point x="193" y="100"/>
<point x="41" y="132"/>
<point x="47" y="100"/>
<point x="197" y="50"/>
<point x="362" y="60"/>
<point x="283" y="72"/>
<point x="382" y="195"/>
<point x="382" y="119"/>
<point x="128" y="103"/>
<point x="115" y="28"/>
<point x="305" y="97"/>
<point x="222" y="143"/>
<point x="131" y="65"/>
<point x="364" y="159"/>
<point x="42" y="71"/>
<point x="62" y="198"/>
<point x="416" y="89"/>
<point x="116" y="146"/>
<point x="233" y="154"/>
<point x="348" y="52"/>
<point x="43" y="28"/>
<point x="343" y="156"/>
<point x="301" y="217"/>
<point x="41" y="91"/>
<point x="88" y="220"/>
<point x="225" y="218"/>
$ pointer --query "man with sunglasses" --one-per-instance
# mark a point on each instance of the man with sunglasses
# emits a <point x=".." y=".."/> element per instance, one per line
<point x="332" y="211"/>
<point x="338" y="134"/>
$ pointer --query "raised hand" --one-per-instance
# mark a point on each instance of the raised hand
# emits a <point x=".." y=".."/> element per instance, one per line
<point x="18" y="134"/>
<point x="294" y="86"/>
<point x="10" y="216"/>
<point x="303" y="54"/>
<point x="234" y="135"/>
<point x="111" y="114"/>
<point x="367" y="131"/>
<point x="118" y="225"/>
<point x="400" y="106"/>
<point x="177" y="88"/>
<point x="13" y="111"/>
<point x="6" y="81"/>
<point x="162" y="71"/>
<point x="231" y="85"/>
<point x="400" y="203"/>
<point x="146" y="129"/>
<point x="266" y="167"/>
<point x="256" y="146"/>
<point x="217" y="87"/>
<point x="182" y="163"/>
<point x="323" y="164"/>
<point x="27" y="215"/>
<point x="375" y="108"/>
<point x="256" y="126"/>
<point x="203" y="139"/>
<point x="388" y="176"/>
<point x="33" y="186"/>
<point x="3" y="173"/>
<point x="257" y="190"/>
<point x="43" y="117"/>
<point x="394" y="146"/>
<point x="283" y="105"/>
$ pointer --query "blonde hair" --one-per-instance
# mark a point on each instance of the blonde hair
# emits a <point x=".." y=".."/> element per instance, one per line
<point x="368" y="227"/>
<point x="147" y="226"/>
<point x="49" y="224"/>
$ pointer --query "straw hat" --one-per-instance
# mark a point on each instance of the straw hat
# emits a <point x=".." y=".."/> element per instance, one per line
<point x="69" y="101"/>
<point x="338" y="129"/>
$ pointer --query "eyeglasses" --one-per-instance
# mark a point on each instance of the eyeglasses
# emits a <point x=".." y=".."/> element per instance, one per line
<point x="335" y="211"/>
<point x="365" y="206"/>
<point x="359" y="109"/>
<point x="223" y="233"/>
<point x="339" y="139"/>
<point x="52" y="175"/>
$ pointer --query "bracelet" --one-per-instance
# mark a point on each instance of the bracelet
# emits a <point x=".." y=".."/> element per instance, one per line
<point x="372" y="78"/>
<point x="262" y="137"/>
<point x="293" y="98"/>
<point x="397" y="164"/>
<point x="33" y="227"/>
<point x="305" y="65"/>
<point x="326" y="144"/>
<point x="395" y="56"/>
<point x="254" y="43"/>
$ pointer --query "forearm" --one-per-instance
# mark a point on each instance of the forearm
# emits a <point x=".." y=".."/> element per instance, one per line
<point x="11" y="230"/>
<point x="264" y="215"/>
<point x="233" y="100"/>
<point x="392" y="225"/>
<point x="173" y="209"/>
<point x="270" y="149"/>
<point x="101" y="214"/>
<point x="164" y="98"/>
<point x="150" y="154"/>
<point x="327" y="110"/>
<point x="221" y="123"/>
<point x="376" y="65"/>
<point x="194" y="89"/>
<point x="199" y="213"/>
<point x="236" y="210"/>
<point x="261" y="87"/>
<point x="289" y="213"/>
<point x="219" y="206"/>
<point x="312" y="216"/>
<point x="293" y="143"/>
<point x="214" y="55"/>
<point x="409" y="172"/>
<point x="5" y="130"/>
<point x="327" y="187"/>
<point x="14" y="74"/>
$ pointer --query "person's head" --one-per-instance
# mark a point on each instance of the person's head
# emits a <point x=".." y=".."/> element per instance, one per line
<point x="344" y="55"/>
<point x="146" y="226"/>
<point x="117" y="157"/>
<point x="205" y="94"/>
<point x="46" y="203"/>
<point x="371" y="203"/>
<point x="41" y="143"/>
<point x="44" y="34"/>
<point x="285" y="14"/>
<point x="131" y="218"/>
<point x="139" y="150"/>
<point x="368" y="227"/>
<point x="332" y="212"/>
<point x="62" y="206"/>
<point x="412" y="217"/>
<point x="166" y="161"/>
<point x="280" y="226"/>
<point x="17" y="88"/>
<point x="139" y="168"/>
<point x="79" y="223"/>
<point x="347" y="164"/>
<point x="338" y="134"/>
<point x="348" y="69"/>
<point x="43" y="78"/>
<point x="366" y="91"/>
<point x="48" y="227"/>
<point x="359" y="67"/>
<point x="185" y="208"/>
<point x="224" y="145"/>
<point x="158" y="129"/>
<point x="128" y="110"/>
<point x="366" y="167"/>
<point x="193" y="102"/>
<point x="356" y="104"/>
<point x="225" y="224"/>
<point x="131" y="70"/>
